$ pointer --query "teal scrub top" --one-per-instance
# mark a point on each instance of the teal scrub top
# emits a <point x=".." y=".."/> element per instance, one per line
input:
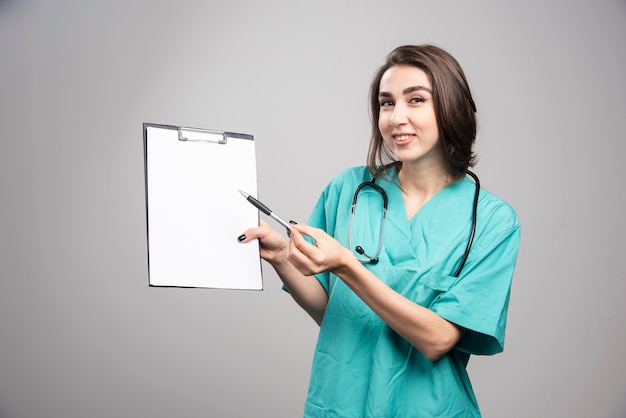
<point x="361" y="367"/>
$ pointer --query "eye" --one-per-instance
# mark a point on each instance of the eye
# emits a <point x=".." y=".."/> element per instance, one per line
<point x="386" y="103"/>
<point x="417" y="99"/>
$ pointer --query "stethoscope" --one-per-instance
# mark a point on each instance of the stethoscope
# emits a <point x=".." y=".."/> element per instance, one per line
<point x="374" y="259"/>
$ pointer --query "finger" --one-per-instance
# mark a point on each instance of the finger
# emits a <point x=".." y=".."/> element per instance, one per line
<point x="299" y="260"/>
<point x="249" y="235"/>
<point x="306" y="230"/>
<point x="256" y="232"/>
<point x="298" y="240"/>
<point x="308" y="255"/>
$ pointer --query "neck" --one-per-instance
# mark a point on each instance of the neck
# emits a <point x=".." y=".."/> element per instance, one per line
<point x="419" y="185"/>
<point x="422" y="181"/>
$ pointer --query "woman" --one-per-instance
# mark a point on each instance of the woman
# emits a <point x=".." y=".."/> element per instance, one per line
<point x="398" y="320"/>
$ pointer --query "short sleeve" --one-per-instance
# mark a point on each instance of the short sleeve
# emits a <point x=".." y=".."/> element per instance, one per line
<point x="335" y="197"/>
<point x="334" y="203"/>
<point x="317" y="219"/>
<point x="478" y="300"/>
<point x="320" y="219"/>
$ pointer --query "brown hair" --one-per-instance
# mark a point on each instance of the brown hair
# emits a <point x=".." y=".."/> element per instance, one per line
<point x="454" y="108"/>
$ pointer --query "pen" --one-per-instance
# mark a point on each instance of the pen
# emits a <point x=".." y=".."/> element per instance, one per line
<point x="260" y="206"/>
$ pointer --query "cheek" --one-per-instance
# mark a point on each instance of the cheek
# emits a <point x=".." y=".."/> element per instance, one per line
<point x="383" y="123"/>
<point x="431" y="120"/>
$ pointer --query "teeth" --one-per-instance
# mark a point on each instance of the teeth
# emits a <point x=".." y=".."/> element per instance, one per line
<point x="402" y="137"/>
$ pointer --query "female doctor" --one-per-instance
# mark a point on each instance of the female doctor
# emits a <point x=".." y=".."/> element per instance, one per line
<point x="406" y="263"/>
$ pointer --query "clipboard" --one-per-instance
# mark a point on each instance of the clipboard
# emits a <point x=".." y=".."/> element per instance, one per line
<point x="194" y="210"/>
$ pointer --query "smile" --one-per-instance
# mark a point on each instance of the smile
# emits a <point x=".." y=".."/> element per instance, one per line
<point x="403" y="137"/>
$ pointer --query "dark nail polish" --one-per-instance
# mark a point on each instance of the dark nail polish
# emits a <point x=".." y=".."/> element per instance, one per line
<point x="293" y="222"/>
<point x="241" y="237"/>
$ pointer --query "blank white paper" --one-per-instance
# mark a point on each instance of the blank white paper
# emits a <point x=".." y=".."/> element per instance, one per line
<point x="195" y="212"/>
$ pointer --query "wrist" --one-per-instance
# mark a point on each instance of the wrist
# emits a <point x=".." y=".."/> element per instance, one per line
<point x="345" y="264"/>
<point x="279" y="259"/>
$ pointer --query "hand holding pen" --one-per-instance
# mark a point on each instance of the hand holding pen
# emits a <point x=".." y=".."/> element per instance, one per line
<point x="324" y="254"/>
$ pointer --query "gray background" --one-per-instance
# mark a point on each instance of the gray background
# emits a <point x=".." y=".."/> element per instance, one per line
<point x="82" y="334"/>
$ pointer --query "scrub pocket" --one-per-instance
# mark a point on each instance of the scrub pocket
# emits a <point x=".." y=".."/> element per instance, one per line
<point x="431" y="286"/>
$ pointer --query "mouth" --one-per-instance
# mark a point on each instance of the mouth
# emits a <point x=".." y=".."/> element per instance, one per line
<point x="402" y="138"/>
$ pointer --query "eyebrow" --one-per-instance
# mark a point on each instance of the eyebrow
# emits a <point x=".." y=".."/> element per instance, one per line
<point x="406" y="91"/>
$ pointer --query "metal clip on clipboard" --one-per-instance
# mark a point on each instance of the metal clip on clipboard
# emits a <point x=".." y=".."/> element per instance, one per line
<point x="202" y="135"/>
<point x="208" y="135"/>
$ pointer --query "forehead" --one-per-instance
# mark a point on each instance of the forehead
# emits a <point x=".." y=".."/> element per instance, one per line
<point x="400" y="77"/>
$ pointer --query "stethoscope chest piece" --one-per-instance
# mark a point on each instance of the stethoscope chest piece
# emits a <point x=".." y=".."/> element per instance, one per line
<point x="372" y="260"/>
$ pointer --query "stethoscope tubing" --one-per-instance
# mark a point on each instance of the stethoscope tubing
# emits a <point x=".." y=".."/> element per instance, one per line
<point x="470" y="240"/>
<point x="374" y="259"/>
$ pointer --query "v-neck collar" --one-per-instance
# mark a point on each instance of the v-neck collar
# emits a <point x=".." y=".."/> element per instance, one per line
<point x="396" y="212"/>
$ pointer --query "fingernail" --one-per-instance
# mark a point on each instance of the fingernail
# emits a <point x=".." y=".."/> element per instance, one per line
<point x="293" y="222"/>
<point x="241" y="237"/>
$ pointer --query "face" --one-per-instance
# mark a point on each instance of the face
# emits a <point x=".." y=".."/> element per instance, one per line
<point x="407" y="118"/>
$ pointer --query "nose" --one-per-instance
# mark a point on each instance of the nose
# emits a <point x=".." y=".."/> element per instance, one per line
<point x="399" y="115"/>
